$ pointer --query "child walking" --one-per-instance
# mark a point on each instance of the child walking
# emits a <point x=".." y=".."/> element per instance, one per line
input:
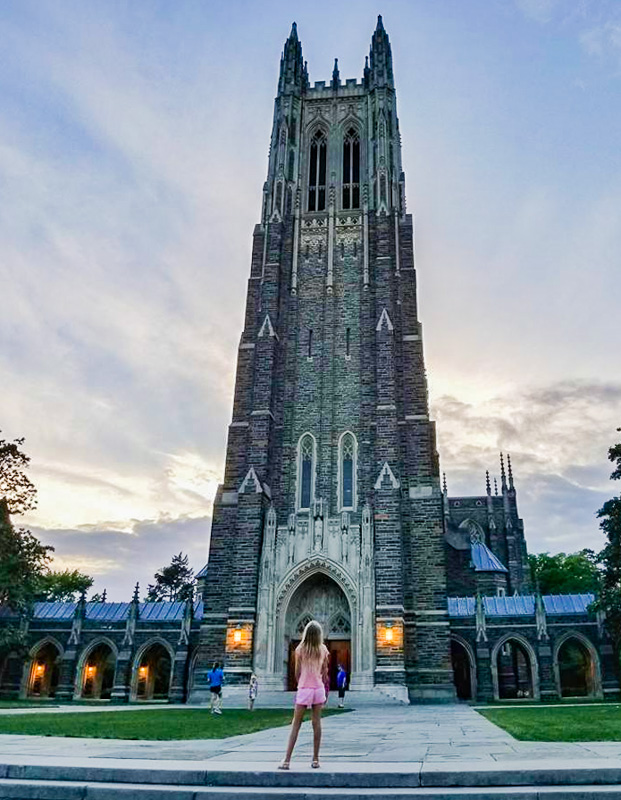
<point x="253" y="688"/>
<point x="311" y="671"/>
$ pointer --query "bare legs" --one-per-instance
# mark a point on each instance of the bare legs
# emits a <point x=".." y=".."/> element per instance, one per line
<point x="316" y="733"/>
<point x="298" y="716"/>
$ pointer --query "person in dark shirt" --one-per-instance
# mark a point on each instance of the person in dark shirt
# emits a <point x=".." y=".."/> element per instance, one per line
<point x="341" y="684"/>
<point x="215" y="678"/>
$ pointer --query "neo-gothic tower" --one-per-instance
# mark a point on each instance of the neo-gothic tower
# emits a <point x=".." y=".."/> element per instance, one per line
<point x="331" y="506"/>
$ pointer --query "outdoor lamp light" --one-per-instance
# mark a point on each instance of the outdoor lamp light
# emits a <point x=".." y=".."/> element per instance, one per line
<point x="237" y="634"/>
<point x="389" y="632"/>
<point x="40" y="669"/>
<point x="142" y="672"/>
<point x="90" y="671"/>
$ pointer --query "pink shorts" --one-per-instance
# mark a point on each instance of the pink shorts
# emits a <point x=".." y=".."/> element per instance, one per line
<point x="310" y="697"/>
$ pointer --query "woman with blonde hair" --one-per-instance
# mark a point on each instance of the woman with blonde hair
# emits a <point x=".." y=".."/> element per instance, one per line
<point x="311" y="672"/>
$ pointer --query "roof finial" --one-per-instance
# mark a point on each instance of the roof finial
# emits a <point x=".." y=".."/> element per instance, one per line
<point x="104" y="596"/>
<point x="488" y="487"/>
<point x="495" y="487"/>
<point x="380" y="23"/>
<point x="136" y="597"/>
<point x="294" y="31"/>
<point x="444" y="489"/>
<point x="336" y="77"/>
<point x="511" y="487"/>
<point x="503" y="476"/>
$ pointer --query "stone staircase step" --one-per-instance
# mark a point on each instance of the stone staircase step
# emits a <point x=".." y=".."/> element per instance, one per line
<point x="16" y="789"/>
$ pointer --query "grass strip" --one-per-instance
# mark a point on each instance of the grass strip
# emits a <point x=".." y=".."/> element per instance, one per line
<point x="152" y="725"/>
<point x="600" y="723"/>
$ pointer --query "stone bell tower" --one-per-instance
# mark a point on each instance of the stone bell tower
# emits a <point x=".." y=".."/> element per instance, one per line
<point x="331" y="507"/>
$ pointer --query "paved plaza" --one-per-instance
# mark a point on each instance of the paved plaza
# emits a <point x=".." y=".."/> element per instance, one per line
<point x="375" y="733"/>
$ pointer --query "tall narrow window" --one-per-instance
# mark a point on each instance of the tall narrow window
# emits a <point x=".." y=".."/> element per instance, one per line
<point x="347" y="471"/>
<point x="309" y="352"/>
<point x="317" y="173"/>
<point x="347" y="342"/>
<point x="351" y="170"/>
<point x="306" y="470"/>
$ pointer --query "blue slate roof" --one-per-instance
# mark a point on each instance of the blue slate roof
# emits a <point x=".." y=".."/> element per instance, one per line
<point x="484" y="560"/>
<point x="520" y="605"/>
<point x="112" y="612"/>
<point x="202" y="573"/>
<point x="567" y="603"/>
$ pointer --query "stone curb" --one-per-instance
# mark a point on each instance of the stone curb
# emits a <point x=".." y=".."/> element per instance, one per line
<point x="364" y="776"/>
<point x="64" y="790"/>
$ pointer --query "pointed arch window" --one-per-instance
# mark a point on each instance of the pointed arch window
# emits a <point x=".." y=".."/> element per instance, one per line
<point x="317" y="173"/>
<point x="348" y="458"/>
<point x="351" y="170"/>
<point x="307" y="453"/>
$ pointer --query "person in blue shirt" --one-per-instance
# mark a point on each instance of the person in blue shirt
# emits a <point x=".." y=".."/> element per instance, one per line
<point x="215" y="678"/>
<point x="341" y="684"/>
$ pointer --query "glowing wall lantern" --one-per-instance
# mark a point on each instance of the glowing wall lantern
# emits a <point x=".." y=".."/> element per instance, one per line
<point x="237" y="634"/>
<point x="90" y="671"/>
<point x="40" y="670"/>
<point x="143" y="672"/>
<point x="388" y="633"/>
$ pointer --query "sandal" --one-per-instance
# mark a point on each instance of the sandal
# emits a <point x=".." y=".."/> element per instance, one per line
<point x="283" y="765"/>
<point x="315" y="764"/>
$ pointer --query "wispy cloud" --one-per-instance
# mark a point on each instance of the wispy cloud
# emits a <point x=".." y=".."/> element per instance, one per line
<point x="133" y="142"/>
<point x="119" y="558"/>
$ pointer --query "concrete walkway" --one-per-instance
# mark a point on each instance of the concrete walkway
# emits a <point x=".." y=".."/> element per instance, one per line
<point x="372" y="735"/>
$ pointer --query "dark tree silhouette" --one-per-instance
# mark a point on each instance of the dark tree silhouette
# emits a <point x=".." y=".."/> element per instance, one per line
<point x="174" y="582"/>
<point x="15" y="487"/>
<point x="610" y="558"/>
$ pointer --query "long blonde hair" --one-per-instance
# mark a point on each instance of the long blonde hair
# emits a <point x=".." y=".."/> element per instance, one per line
<point x="310" y="648"/>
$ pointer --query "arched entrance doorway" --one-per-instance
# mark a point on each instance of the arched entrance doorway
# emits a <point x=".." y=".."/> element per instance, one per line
<point x="575" y="668"/>
<point x="515" y="674"/>
<point x="44" y="671"/>
<point x="462" y="670"/>
<point x="320" y="598"/>
<point x="153" y="672"/>
<point x="98" y="673"/>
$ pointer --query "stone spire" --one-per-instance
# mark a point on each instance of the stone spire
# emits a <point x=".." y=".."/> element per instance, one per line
<point x="503" y="475"/>
<point x="293" y="74"/>
<point x="380" y="57"/>
<point x="488" y="487"/>
<point x="510" y="472"/>
<point x="336" y="75"/>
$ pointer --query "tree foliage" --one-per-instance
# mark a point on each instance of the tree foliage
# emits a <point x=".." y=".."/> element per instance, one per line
<point x="63" y="586"/>
<point x="573" y="573"/>
<point x="610" y="522"/>
<point x="174" y="582"/>
<point x="15" y="486"/>
<point x="23" y="561"/>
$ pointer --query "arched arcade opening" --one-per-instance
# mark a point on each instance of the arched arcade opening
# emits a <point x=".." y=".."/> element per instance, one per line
<point x="98" y="671"/>
<point x="44" y="671"/>
<point x="463" y="671"/>
<point x="153" y="672"/>
<point x="576" y="669"/>
<point x="515" y="671"/>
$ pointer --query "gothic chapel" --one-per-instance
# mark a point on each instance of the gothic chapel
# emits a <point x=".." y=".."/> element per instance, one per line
<point x="331" y="506"/>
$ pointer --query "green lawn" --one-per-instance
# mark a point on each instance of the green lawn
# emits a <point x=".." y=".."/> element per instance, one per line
<point x="156" y="724"/>
<point x="598" y="723"/>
